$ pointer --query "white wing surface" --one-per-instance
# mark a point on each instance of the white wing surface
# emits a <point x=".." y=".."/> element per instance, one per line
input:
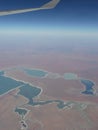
<point x="49" y="5"/>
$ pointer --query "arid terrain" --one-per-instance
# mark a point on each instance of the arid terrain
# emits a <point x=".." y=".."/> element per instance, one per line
<point x="81" y="111"/>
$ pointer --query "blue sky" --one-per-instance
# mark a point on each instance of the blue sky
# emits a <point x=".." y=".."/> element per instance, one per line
<point x="68" y="16"/>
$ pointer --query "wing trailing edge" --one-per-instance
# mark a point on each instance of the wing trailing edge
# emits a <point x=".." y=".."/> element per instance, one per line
<point x="50" y="5"/>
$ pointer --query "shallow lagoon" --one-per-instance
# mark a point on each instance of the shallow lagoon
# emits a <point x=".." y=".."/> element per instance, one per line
<point x="70" y="76"/>
<point x="1" y="73"/>
<point x="60" y="104"/>
<point x="88" y="86"/>
<point x="26" y="90"/>
<point x="31" y="92"/>
<point x="21" y="111"/>
<point x="89" y="90"/>
<point x="8" y="84"/>
<point x="36" y="73"/>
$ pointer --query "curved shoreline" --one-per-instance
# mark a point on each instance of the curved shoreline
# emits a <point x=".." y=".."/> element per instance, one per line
<point x="24" y="83"/>
<point x="36" y="69"/>
<point x="22" y="116"/>
<point x="89" y="89"/>
<point x="60" y="104"/>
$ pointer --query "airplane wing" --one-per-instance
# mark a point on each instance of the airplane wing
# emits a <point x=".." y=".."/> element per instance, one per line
<point x="49" y="5"/>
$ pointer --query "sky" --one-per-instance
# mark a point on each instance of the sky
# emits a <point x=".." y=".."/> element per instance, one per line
<point x="69" y="17"/>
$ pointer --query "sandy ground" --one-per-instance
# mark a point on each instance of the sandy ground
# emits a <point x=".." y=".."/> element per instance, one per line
<point x="49" y="117"/>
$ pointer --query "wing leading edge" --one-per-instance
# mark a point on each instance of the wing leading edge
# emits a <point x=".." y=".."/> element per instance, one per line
<point x="49" y="5"/>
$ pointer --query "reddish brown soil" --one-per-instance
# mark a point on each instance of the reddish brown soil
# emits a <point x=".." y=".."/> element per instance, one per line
<point x="49" y="117"/>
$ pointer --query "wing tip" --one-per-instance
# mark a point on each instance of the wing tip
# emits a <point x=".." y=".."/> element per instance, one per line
<point x="51" y="4"/>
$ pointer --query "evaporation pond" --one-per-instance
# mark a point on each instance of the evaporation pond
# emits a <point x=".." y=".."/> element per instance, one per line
<point x="35" y="72"/>
<point x="7" y="84"/>
<point x="29" y="91"/>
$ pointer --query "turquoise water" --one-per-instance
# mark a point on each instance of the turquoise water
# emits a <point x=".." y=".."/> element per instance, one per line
<point x="1" y="73"/>
<point x="70" y="76"/>
<point x="35" y="73"/>
<point x="89" y="90"/>
<point x="29" y="92"/>
<point x="7" y="84"/>
<point x="60" y="104"/>
<point x="26" y="90"/>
